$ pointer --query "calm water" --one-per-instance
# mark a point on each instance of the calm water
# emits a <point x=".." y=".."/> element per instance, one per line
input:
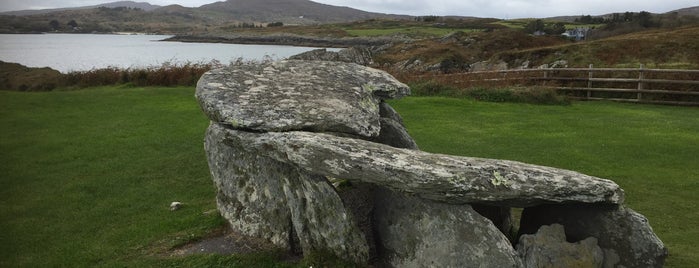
<point x="79" y="52"/>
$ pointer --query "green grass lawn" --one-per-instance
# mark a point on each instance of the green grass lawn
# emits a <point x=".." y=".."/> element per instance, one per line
<point x="86" y="177"/>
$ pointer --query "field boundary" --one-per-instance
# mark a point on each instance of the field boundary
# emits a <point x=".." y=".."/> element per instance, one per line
<point x="638" y="85"/>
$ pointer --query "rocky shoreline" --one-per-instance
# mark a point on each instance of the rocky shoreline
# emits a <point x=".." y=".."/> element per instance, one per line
<point x="290" y="40"/>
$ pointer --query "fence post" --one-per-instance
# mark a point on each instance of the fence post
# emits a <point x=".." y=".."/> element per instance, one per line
<point x="640" y="83"/>
<point x="589" y="82"/>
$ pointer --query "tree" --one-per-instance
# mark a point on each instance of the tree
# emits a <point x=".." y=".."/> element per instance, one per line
<point x="275" y="24"/>
<point x="54" y="24"/>
<point x="645" y="19"/>
<point x="72" y="24"/>
<point x="556" y="29"/>
<point x="535" y="26"/>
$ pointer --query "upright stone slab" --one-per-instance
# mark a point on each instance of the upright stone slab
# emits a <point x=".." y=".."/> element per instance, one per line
<point x="249" y="189"/>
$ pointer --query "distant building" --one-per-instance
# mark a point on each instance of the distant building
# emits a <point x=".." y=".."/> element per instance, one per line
<point x="577" y="33"/>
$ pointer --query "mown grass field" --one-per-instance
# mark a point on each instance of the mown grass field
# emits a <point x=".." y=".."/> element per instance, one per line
<point x="86" y="177"/>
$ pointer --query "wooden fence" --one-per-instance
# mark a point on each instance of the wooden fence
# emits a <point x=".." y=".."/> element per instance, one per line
<point x="660" y="86"/>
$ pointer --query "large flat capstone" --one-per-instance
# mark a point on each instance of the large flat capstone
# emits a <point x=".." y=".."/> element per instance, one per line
<point x="317" y="96"/>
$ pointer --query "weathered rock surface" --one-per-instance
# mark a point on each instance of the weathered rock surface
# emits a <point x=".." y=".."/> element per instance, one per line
<point x="420" y="233"/>
<point x="249" y="189"/>
<point x="549" y="248"/>
<point x="265" y="198"/>
<point x="623" y="234"/>
<point x="393" y="132"/>
<point x="316" y="96"/>
<point x="451" y="179"/>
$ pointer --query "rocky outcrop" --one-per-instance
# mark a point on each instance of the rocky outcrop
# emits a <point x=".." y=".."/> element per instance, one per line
<point x="358" y="55"/>
<point x="307" y="155"/>
<point x="290" y="40"/>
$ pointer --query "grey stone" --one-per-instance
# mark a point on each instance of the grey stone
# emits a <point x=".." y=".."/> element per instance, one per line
<point x="445" y="178"/>
<point x="319" y="96"/>
<point x="393" y="132"/>
<point x="320" y="219"/>
<point x="265" y="198"/>
<point x="549" y="248"/>
<point x="623" y="234"/>
<point x="414" y="232"/>
<point x="250" y="193"/>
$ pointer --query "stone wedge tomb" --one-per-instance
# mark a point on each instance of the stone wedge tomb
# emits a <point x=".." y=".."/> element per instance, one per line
<point x="308" y="156"/>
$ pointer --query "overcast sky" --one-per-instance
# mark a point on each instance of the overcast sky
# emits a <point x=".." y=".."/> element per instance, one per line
<point x="506" y="9"/>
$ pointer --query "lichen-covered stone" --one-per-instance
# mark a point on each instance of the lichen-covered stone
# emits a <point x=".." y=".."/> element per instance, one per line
<point x="319" y="96"/>
<point x="421" y="233"/>
<point x="625" y="236"/>
<point x="445" y="178"/>
<point x="320" y="219"/>
<point x="548" y="248"/>
<point x="265" y="198"/>
<point x="249" y="189"/>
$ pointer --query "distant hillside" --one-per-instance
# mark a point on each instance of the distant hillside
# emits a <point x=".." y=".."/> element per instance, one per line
<point x="130" y="4"/>
<point x="656" y="48"/>
<point x="290" y="11"/>
<point x="261" y="11"/>
<point x="690" y="11"/>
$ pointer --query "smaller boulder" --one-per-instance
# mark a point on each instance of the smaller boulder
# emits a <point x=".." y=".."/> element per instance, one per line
<point x="549" y="248"/>
<point x="175" y="206"/>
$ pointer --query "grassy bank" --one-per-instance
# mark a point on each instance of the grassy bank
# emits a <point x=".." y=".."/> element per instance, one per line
<point x="86" y="177"/>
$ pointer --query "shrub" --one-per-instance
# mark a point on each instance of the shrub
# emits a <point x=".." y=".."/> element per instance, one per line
<point x="535" y="95"/>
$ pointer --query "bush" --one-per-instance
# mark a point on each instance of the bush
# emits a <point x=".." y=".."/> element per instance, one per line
<point x="535" y="95"/>
<point x="168" y="74"/>
<point x="432" y="88"/>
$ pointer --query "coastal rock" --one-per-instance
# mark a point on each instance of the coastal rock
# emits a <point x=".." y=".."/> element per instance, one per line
<point x="549" y="248"/>
<point x="624" y="235"/>
<point x="319" y="96"/>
